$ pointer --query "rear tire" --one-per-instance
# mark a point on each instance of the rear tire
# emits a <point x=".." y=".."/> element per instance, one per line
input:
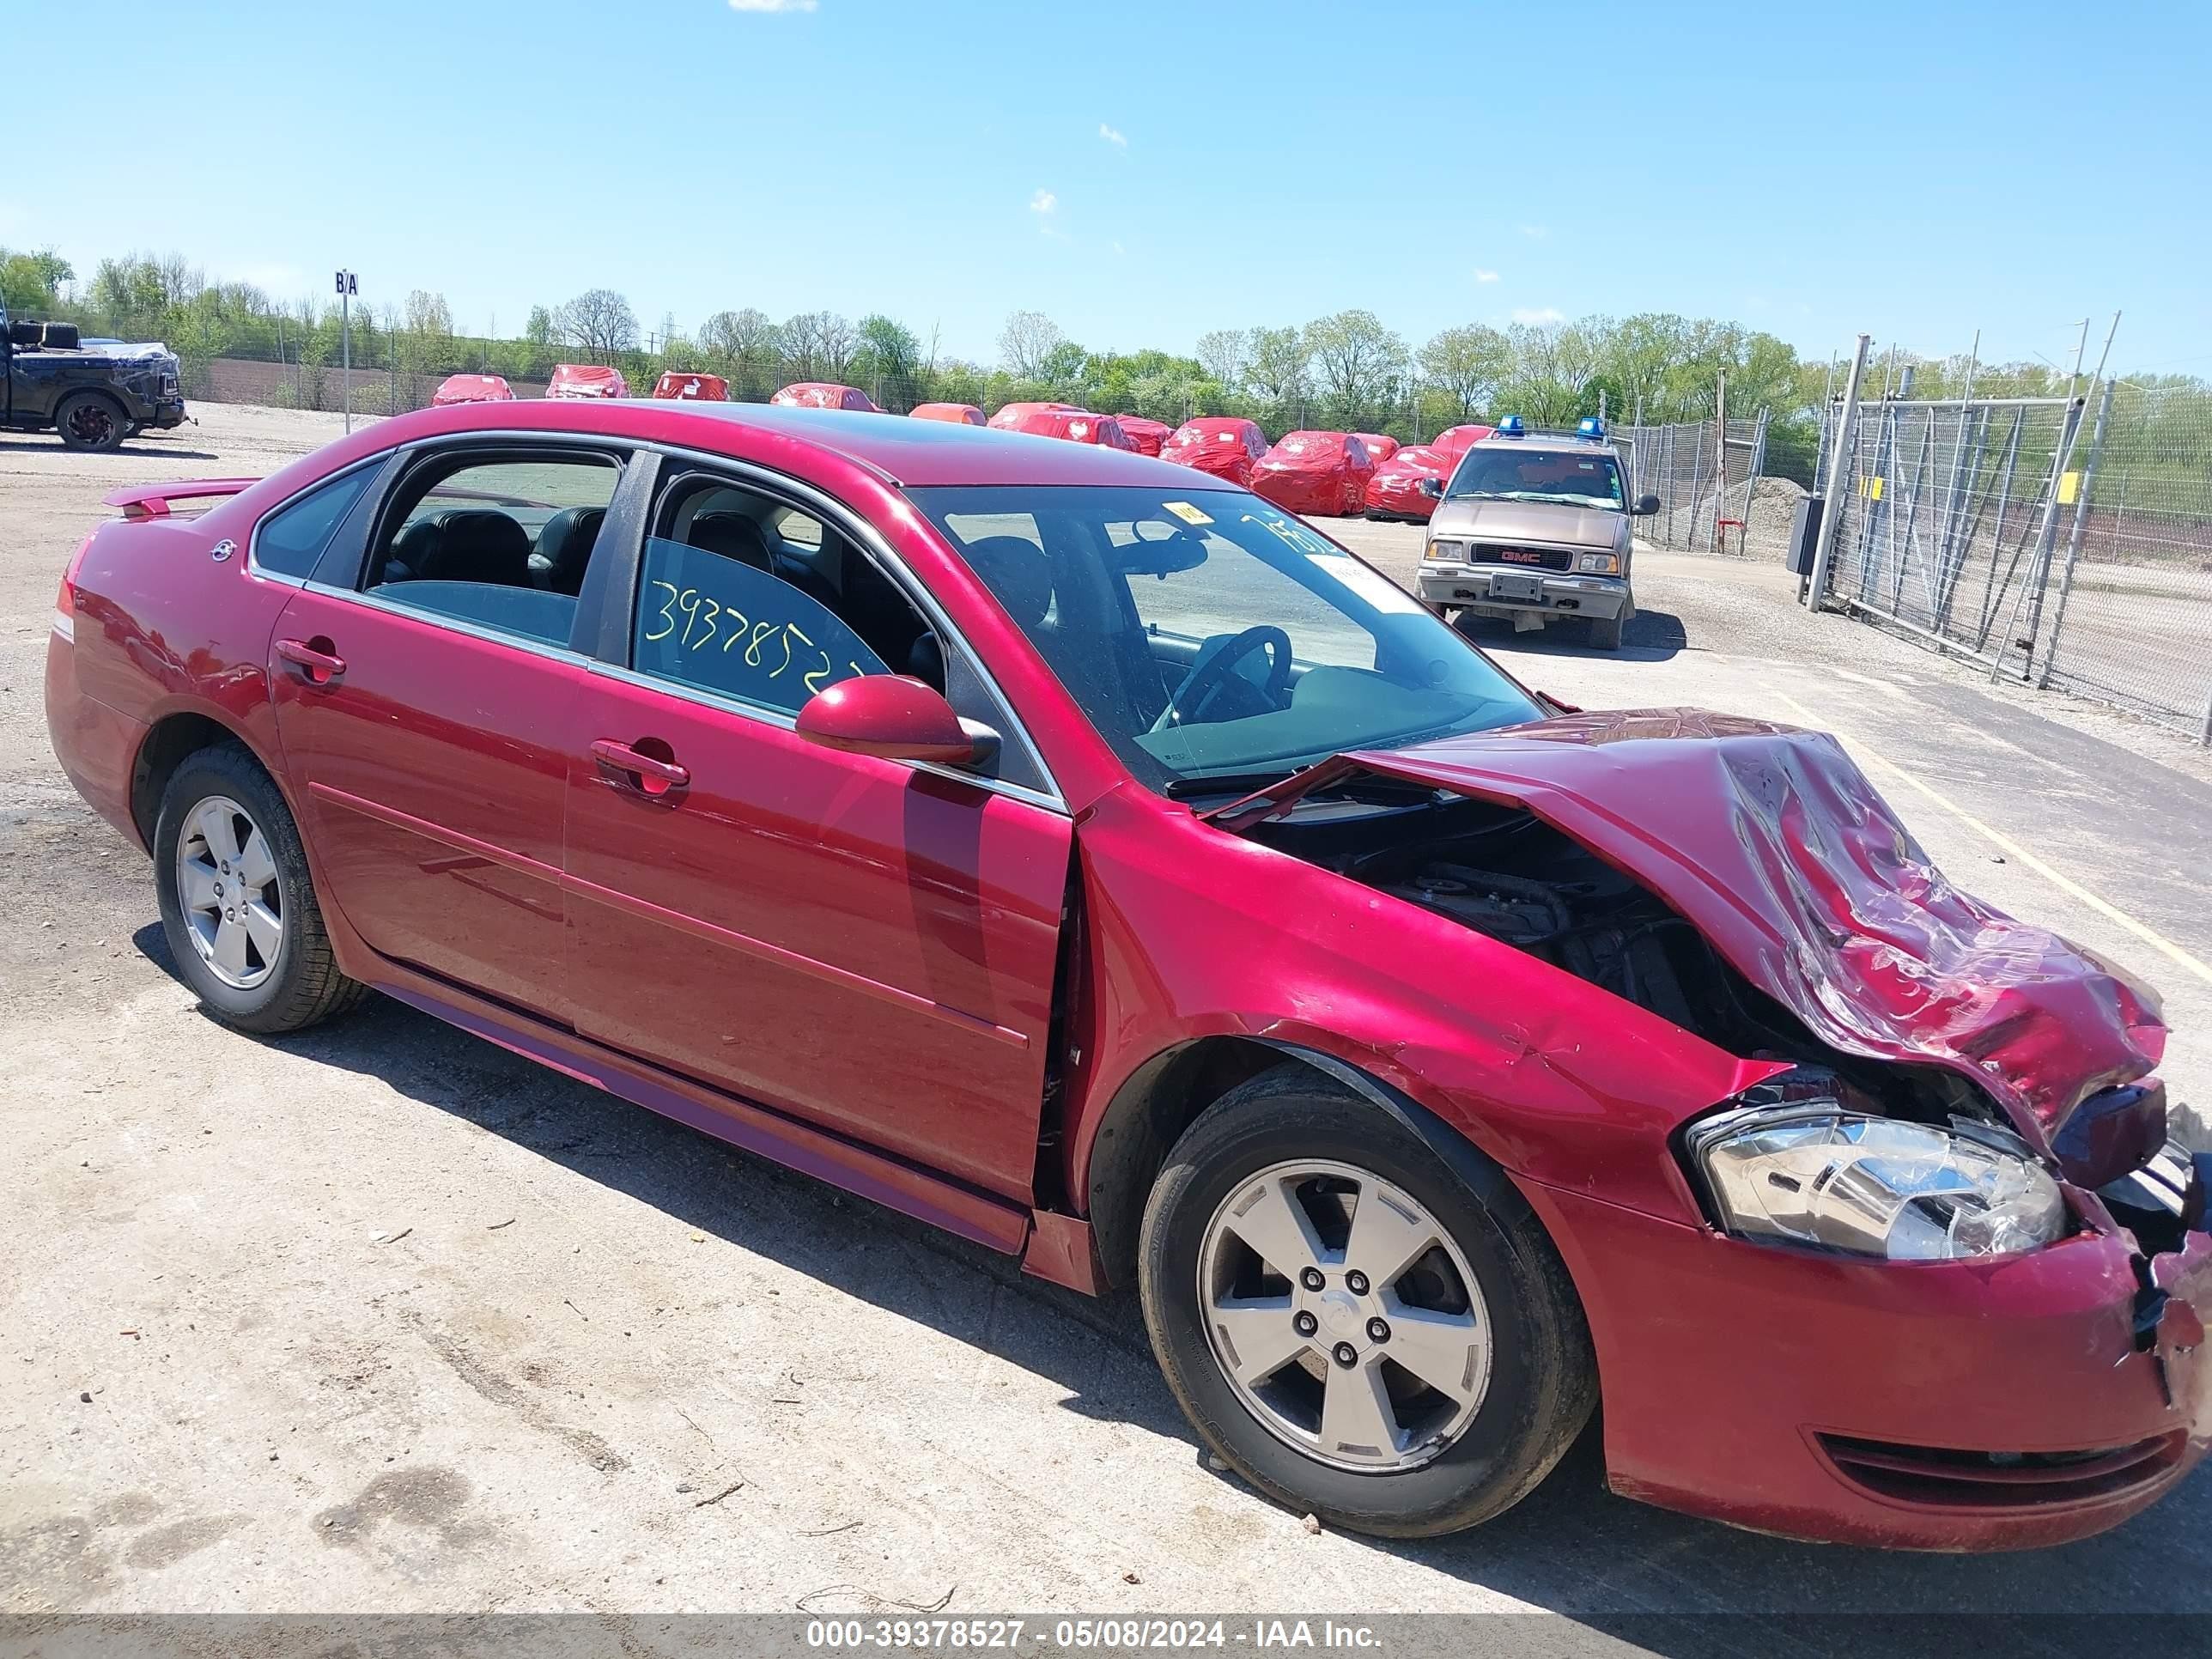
<point x="1491" y="1288"/>
<point x="1605" y="633"/>
<point x="89" y="420"/>
<point x="248" y="935"/>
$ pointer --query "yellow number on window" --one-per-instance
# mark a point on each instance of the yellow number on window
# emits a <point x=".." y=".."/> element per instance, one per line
<point x="667" y="612"/>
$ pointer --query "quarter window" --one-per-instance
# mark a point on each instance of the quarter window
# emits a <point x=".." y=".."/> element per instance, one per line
<point x="293" y="538"/>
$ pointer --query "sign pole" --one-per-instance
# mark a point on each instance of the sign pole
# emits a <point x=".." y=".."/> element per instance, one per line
<point x="347" y="289"/>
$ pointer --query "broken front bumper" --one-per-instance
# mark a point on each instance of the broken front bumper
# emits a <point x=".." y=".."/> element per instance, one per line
<point x="1978" y="1404"/>
<point x="1510" y="590"/>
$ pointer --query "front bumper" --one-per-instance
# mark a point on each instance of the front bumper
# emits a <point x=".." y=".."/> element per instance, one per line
<point x="162" y="413"/>
<point x="1898" y="1404"/>
<point x="1489" y="590"/>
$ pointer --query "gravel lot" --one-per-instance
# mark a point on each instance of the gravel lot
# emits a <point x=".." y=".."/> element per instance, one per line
<point x="384" y="1318"/>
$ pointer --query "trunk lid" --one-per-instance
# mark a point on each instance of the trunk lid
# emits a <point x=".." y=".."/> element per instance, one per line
<point x="1772" y="843"/>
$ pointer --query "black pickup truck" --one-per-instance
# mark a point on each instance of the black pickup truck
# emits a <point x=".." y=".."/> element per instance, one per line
<point x="93" y="397"/>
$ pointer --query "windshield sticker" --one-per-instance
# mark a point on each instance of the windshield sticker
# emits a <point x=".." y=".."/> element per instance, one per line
<point x="1186" y="512"/>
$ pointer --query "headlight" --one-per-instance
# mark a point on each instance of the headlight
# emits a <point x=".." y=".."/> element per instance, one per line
<point x="1598" y="564"/>
<point x="1442" y="550"/>
<point x="1813" y="1173"/>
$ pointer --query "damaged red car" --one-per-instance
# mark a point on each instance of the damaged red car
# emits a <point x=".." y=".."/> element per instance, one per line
<point x="1100" y="863"/>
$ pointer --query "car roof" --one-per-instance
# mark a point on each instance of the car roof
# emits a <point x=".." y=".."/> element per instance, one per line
<point x="1554" y="441"/>
<point x="906" y="452"/>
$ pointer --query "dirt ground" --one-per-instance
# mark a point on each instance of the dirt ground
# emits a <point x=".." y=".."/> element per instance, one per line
<point x="381" y="1317"/>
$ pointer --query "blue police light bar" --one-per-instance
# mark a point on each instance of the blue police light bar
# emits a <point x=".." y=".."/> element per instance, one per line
<point x="1511" y="427"/>
<point x="1591" y="428"/>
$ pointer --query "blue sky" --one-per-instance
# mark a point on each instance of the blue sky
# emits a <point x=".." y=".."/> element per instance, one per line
<point x="1143" y="172"/>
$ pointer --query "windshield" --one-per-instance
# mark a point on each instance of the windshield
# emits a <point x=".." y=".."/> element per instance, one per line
<point x="1538" y="475"/>
<point x="1216" y="643"/>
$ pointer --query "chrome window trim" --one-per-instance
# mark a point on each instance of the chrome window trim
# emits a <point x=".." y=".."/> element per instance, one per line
<point x="854" y="527"/>
<point x="370" y="601"/>
<point x="253" y="541"/>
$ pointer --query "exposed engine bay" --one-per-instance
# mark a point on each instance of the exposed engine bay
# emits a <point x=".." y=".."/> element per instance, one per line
<point x="1506" y="873"/>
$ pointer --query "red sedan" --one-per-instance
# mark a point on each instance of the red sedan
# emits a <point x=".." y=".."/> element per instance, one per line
<point x="1102" y="864"/>
<point x="1221" y="444"/>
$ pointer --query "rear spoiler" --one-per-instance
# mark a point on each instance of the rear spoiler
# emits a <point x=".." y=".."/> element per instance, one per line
<point x="152" y="500"/>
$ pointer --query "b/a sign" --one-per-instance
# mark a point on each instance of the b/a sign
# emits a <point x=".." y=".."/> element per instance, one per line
<point x="348" y="283"/>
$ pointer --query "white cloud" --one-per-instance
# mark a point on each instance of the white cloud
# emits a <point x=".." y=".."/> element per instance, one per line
<point x="1536" y="233"/>
<point x="1538" y="317"/>
<point x="1118" y="248"/>
<point x="1044" y="202"/>
<point x="1113" y="134"/>
<point x="1482" y="276"/>
<point x="772" y="5"/>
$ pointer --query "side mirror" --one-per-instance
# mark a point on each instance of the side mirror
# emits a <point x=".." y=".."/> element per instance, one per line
<point x="1432" y="488"/>
<point x="893" y="717"/>
<point x="1645" y="506"/>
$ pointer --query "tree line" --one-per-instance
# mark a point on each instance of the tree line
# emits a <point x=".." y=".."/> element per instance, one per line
<point x="1348" y="371"/>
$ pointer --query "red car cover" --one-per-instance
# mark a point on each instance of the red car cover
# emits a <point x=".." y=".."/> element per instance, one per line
<point x="1315" y="472"/>
<point x="705" y="388"/>
<point x="958" y="413"/>
<point x="1009" y="416"/>
<point x="1220" y="444"/>
<point x="586" y="380"/>
<point x="823" y="394"/>
<point x="1454" y="441"/>
<point x="1145" y="433"/>
<point x="472" y="389"/>
<point x="1394" y="490"/>
<point x="1380" y="445"/>
<point x="1078" y="426"/>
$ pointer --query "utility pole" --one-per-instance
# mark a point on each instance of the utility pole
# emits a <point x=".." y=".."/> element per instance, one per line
<point x="348" y="285"/>
<point x="1816" y="588"/>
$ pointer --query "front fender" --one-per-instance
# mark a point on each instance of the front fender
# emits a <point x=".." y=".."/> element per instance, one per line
<point x="1192" y="932"/>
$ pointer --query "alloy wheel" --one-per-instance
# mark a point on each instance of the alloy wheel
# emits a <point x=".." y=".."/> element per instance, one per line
<point x="227" y="887"/>
<point x="91" y="422"/>
<point x="1344" y="1317"/>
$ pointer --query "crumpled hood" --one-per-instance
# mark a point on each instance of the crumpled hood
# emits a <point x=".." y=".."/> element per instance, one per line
<point x="1775" y="846"/>
<point x="1532" y="521"/>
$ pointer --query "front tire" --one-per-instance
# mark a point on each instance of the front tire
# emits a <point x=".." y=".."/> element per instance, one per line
<point x="1363" y="1328"/>
<point x="1605" y="633"/>
<point x="89" y="421"/>
<point x="238" y="906"/>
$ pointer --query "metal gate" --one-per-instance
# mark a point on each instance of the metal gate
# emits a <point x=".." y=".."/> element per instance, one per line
<point x="1953" y="522"/>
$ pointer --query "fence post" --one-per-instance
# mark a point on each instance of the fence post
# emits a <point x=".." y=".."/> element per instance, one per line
<point x="1816" y="589"/>
<point x="1696" y="471"/>
<point x="2074" y="536"/>
<point x="1720" y="457"/>
<point x="2046" y="537"/>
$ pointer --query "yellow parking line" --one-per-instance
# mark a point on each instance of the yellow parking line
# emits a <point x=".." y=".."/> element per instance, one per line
<point x="2156" y="941"/>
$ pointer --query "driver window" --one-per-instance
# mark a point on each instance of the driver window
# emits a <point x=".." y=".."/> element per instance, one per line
<point x="743" y="595"/>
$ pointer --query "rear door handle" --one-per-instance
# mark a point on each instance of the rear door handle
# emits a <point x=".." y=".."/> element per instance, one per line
<point x="316" y="667"/>
<point x="641" y="772"/>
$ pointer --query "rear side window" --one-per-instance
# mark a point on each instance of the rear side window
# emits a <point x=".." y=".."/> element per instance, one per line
<point x="293" y="538"/>
<point x="500" y="542"/>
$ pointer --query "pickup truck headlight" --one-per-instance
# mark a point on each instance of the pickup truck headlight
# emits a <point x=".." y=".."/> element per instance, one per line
<point x="1817" y="1173"/>
<point x="1441" y="550"/>
<point x="1598" y="564"/>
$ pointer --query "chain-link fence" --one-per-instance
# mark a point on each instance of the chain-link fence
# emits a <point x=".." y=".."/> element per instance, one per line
<point x="2058" y="541"/>
<point x="1713" y="497"/>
